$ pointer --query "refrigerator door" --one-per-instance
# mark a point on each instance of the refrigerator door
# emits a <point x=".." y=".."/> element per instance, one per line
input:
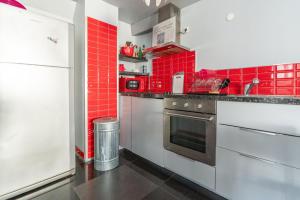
<point x="34" y="125"/>
<point x="29" y="38"/>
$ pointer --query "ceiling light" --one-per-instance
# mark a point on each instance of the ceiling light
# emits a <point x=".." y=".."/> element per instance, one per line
<point x="147" y="2"/>
<point x="158" y="2"/>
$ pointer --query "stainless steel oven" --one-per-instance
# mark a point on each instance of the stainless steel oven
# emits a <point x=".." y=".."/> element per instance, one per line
<point x="190" y="128"/>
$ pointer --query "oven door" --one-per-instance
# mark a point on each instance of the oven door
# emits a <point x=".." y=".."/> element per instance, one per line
<point x="190" y="134"/>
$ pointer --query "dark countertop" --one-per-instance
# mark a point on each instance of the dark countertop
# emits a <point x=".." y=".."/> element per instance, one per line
<point x="291" y="100"/>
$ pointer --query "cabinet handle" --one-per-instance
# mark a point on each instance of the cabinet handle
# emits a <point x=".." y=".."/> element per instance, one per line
<point x="193" y="117"/>
<point x="257" y="131"/>
<point x="256" y="158"/>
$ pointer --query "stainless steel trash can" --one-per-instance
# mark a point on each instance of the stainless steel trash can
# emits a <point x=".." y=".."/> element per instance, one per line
<point x="106" y="143"/>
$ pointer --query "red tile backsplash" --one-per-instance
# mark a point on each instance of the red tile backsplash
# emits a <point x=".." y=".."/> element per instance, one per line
<point x="285" y="75"/>
<point x="102" y="74"/>
<point x="281" y="79"/>
<point x="285" y="83"/>
<point x="265" y="69"/>
<point x="285" y="67"/>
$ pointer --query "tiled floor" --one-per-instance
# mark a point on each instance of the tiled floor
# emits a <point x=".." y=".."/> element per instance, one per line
<point x="134" y="179"/>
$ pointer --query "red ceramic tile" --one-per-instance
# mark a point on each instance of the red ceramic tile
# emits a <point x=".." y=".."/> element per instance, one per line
<point x="285" y="67"/>
<point x="249" y="77"/>
<point x="284" y="91"/>
<point x="92" y="20"/>
<point x="234" y="90"/>
<point x="266" y="91"/>
<point x="268" y="84"/>
<point x="297" y="66"/>
<point x="236" y="77"/>
<point x="235" y="71"/>
<point x="250" y="70"/>
<point x="92" y="32"/>
<point x="285" y="75"/>
<point x="298" y="74"/>
<point x="298" y="83"/>
<point x="223" y="72"/>
<point x="265" y="69"/>
<point x="298" y="91"/>
<point x="266" y="76"/>
<point x="285" y="83"/>
<point x="92" y="26"/>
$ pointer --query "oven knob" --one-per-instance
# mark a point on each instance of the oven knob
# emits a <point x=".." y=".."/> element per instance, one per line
<point x="186" y="105"/>
<point x="174" y="103"/>
<point x="199" y="106"/>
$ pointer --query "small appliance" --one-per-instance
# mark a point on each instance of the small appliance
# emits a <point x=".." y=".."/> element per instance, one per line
<point x="137" y="84"/>
<point x="178" y="83"/>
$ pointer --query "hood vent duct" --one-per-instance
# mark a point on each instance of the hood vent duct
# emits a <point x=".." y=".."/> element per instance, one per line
<point x="166" y="12"/>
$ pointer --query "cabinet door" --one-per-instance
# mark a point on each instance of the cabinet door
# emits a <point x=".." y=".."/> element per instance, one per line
<point x="193" y="170"/>
<point x="179" y="164"/>
<point x="125" y="122"/>
<point x="147" y="128"/>
<point x="242" y="177"/>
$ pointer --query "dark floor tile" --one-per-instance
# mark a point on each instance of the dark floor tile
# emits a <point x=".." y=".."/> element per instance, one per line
<point x="120" y="183"/>
<point x="160" y="194"/>
<point x="126" y="157"/>
<point x="64" y="192"/>
<point x="176" y="188"/>
<point x="149" y="170"/>
<point x="195" y="196"/>
<point x="177" y="185"/>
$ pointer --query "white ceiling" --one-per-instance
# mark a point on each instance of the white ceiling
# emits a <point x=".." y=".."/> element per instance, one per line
<point x="131" y="11"/>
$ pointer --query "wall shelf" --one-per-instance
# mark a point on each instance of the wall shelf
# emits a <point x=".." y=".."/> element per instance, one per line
<point x="131" y="59"/>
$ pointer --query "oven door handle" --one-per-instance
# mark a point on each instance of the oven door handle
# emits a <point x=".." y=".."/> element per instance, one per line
<point x="192" y="117"/>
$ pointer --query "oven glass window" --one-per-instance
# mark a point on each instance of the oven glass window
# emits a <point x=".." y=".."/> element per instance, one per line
<point x="189" y="133"/>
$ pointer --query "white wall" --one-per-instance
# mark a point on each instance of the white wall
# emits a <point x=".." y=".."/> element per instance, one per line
<point x="124" y="34"/>
<point x="263" y="32"/>
<point x="103" y="11"/>
<point x="79" y="24"/>
<point x="61" y="9"/>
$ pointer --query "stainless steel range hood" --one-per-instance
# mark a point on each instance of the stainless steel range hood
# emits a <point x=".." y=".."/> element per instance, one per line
<point x="166" y="12"/>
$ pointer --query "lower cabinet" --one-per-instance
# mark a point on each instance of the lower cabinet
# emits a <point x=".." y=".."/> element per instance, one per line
<point x="239" y="176"/>
<point x="125" y="122"/>
<point x="147" y="129"/>
<point x="195" y="171"/>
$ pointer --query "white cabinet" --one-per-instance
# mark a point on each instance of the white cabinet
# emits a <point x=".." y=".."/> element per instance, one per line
<point x="242" y="177"/>
<point x="147" y="128"/>
<point x="270" y="146"/>
<point x="30" y="38"/>
<point x="278" y="118"/>
<point x="195" y="171"/>
<point x="178" y="164"/>
<point x="258" y="151"/>
<point x="125" y="122"/>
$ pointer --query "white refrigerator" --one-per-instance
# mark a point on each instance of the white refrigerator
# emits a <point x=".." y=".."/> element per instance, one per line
<point x="36" y="101"/>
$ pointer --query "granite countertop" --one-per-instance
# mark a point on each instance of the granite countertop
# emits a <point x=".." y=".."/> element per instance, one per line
<point x="291" y="100"/>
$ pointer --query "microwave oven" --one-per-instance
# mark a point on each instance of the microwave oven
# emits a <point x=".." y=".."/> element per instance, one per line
<point x="138" y="84"/>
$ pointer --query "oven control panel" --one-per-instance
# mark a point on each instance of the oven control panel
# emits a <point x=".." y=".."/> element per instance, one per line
<point x="193" y="105"/>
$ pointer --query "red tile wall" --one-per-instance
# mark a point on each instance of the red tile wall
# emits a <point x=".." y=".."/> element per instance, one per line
<point x="281" y="79"/>
<point x="164" y="68"/>
<point x="102" y="74"/>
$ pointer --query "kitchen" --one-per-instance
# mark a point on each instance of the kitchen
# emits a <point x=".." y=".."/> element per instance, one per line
<point x="206" y="93"/>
